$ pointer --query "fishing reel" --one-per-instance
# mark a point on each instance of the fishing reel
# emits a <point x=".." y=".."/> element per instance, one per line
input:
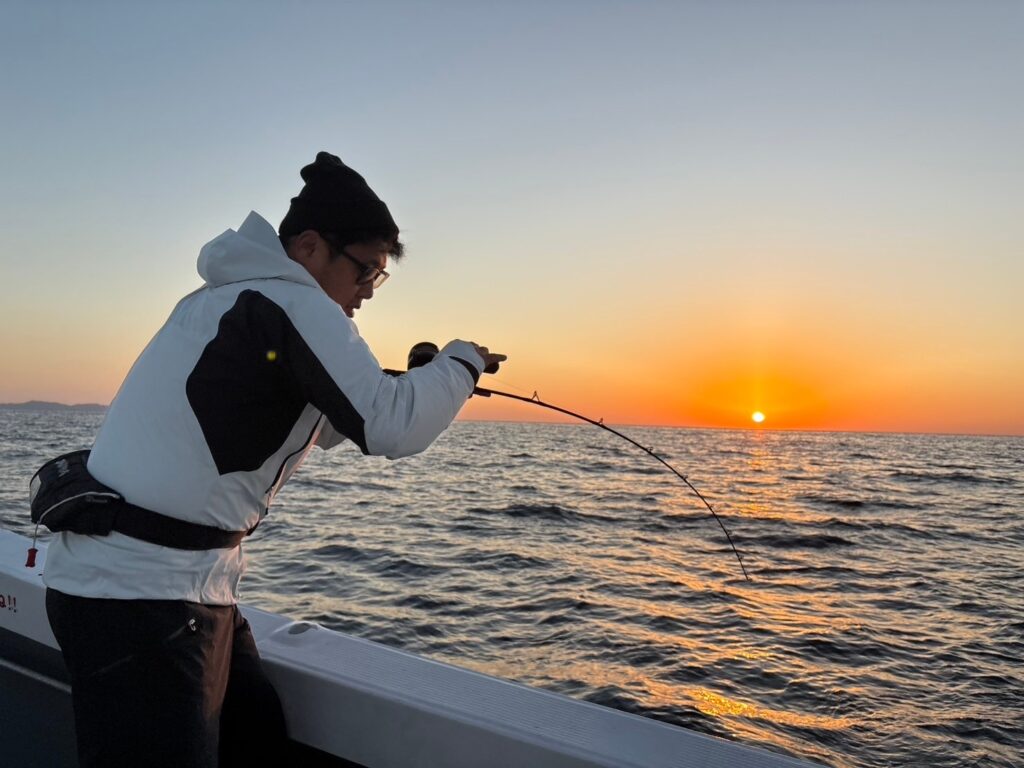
<point x="425" y="351"/>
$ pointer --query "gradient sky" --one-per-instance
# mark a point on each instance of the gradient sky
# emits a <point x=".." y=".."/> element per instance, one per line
<point x="665" y="213"/>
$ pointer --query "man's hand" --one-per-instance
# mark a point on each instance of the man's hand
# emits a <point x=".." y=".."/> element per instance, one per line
<point x="491" y="359"/>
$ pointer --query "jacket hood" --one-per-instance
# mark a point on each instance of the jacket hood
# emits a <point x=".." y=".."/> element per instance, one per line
<point x="254" y="252"/>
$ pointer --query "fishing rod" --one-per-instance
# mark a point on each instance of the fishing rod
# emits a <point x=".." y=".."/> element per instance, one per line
<point x="425" y="351"/>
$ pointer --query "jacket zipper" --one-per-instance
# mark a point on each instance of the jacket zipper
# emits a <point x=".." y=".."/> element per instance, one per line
<point x="304" y="447"/>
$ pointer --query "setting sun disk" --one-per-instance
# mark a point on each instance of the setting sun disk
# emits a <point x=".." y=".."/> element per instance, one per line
<point x="757" y="417"/>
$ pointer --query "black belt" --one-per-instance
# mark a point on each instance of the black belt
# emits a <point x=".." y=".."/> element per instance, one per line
<point x="167" y="531"/>
<point x="65" y="497"/>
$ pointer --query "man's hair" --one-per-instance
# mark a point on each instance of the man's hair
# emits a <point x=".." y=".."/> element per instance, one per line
<point x="337" y="240"/>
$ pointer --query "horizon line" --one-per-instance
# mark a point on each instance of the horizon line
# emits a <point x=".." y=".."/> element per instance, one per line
<point x="574" y="422"/>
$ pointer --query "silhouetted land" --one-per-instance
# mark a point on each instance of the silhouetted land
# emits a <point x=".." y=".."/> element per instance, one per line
<point x="43" y="405"/>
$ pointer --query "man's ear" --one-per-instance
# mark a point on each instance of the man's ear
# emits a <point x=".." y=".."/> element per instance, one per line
<point x="303" y="246"/>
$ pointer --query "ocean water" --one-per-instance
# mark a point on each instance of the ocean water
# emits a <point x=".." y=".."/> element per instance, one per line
<point x="883" y="626"/>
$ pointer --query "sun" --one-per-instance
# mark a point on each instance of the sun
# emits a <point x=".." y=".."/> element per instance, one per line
<point x="757" y="417"/>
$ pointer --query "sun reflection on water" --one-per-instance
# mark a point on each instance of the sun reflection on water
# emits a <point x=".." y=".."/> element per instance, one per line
<point x="715" y="704"/>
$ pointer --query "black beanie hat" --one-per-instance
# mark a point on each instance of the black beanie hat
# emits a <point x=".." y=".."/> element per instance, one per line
<point x="335" y="199"/>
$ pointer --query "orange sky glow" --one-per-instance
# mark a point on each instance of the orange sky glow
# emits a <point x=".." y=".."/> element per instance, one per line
<point x="768" y="223"/>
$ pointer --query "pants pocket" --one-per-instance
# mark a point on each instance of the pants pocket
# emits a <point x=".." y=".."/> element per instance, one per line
<point x="178" y="637"/>
<point x="97" y="636"/>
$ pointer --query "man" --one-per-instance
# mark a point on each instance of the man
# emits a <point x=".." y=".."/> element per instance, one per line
<point x="247" y="374"/>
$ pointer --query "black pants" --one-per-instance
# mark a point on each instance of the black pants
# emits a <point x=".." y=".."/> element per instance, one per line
<point x="165" y="683"/>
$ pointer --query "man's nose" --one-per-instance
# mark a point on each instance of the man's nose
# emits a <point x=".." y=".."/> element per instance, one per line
<point x="366" y="291"/>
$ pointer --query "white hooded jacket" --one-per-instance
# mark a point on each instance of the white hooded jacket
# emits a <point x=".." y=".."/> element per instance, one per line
<point x="247" y="374"/>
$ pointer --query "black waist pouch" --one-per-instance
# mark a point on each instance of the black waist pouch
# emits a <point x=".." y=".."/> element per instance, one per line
<point x="65" y="497"/>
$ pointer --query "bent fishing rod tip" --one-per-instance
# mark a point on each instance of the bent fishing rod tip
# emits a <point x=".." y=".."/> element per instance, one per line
<point x="425" y="351"/>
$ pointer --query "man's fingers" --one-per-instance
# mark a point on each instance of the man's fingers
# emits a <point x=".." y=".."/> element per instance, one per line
<point x="485" y="353"/>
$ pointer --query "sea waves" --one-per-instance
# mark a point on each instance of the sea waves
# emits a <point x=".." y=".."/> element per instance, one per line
<point x="882" y="625"/>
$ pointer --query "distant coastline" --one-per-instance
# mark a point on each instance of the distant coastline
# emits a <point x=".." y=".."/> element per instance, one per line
<point x="45" y="405"/>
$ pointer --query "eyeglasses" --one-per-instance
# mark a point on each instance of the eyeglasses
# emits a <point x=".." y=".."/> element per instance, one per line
<point x="368" y="273"/>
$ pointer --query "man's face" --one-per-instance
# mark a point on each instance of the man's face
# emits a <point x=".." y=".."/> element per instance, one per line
<point x="339" y="276"/>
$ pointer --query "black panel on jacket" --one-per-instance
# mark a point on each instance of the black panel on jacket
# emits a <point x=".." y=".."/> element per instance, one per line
<point x="253" y="381"/>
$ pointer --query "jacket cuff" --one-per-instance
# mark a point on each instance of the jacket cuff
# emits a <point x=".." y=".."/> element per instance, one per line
<point x="469" y="367"/>
<point x="465" y="354"/>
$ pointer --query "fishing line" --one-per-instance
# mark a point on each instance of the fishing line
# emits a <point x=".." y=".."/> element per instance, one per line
<point x="509" y="385"/>
<point x="424" y="352"/>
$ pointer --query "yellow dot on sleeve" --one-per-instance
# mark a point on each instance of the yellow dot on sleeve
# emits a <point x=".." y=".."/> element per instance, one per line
<point x="271" y="355"/>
